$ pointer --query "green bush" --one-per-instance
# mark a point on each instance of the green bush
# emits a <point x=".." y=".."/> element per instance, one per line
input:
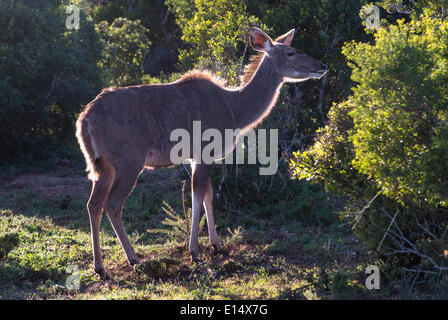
<point x="8" y="242"/>
<point x="385" y="148"/>
<point x="125" y="44"/>
<point x="329" y="160"/>
<point x="216" y="36"/>
<point x="401" y="105"/>
<point x="47" y="72"/>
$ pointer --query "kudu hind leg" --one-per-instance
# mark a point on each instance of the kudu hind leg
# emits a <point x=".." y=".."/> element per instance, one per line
<point x="95" y="207"/>
<point x="208" y="206"/>
<point x="200" y="177"/>
<point x="123" y="184"/>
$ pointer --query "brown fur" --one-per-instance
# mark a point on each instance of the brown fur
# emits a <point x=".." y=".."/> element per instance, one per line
<point x="126" y="129"/>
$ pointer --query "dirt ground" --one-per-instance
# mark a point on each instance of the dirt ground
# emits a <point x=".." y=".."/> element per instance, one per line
<point x="61" y="180"/>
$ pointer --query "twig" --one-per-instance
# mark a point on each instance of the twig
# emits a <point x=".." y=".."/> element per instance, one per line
<point x="424" y="229"/>
<point x="418" y="271"/>
<point x="165" y="17"/>
<point x="387" y="231"/>
<point x="367" y="206"/>
<point x="398" y="9"/>
<point x="401" y="241"/>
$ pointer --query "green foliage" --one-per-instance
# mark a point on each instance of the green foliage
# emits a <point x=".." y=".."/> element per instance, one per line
<point x="401" y="107"/>
<point x="183" y="10"/>
<point x="153" y="15"/>
<point x="216" y="35"/>
<point x="406" y="234"/>
<point x="177" y="224"/>
<point x="47" y="72"/>
<point x="329" y="160"/>
<point x="283" y="198"/>
<point x="164" y="34"/>
<point x="390" y="137"/>
<point x="8" y="242"/>
<point x="125" y="43"/>
<point x="392" y="130"/>
<point x="436" y="8"/>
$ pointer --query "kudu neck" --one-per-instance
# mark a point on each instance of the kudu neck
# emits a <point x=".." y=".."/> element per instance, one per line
<point x="254" y="101"/>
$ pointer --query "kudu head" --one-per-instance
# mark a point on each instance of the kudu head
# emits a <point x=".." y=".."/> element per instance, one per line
<point x="292" y="64"/>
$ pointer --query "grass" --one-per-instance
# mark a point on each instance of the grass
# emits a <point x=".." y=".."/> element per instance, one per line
<point x="266" y="257"/>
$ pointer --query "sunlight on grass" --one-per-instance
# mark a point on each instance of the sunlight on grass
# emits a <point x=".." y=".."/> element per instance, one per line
<point x="54" y="234"/>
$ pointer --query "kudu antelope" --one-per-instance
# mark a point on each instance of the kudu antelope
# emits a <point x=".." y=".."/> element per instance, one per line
<point x="124" y="130"/>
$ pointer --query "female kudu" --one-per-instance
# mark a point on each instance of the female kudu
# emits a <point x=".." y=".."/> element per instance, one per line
<point x="124" y="130"/>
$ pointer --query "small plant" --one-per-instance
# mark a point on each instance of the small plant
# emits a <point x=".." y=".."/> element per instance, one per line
<point x="235" y="235"/>
<point x="339" y="285"/>
<point x="157" y="267"/>
<point x="5" y="212"/>
<point x="8" y="242"/>
<point x="230" y="267"/>
<point x="278" y="246"/>
<point x="178" y="224"/>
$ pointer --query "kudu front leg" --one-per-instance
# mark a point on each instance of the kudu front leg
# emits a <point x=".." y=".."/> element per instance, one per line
<point x="199" y="184"/>
<point x="208" y="205"/>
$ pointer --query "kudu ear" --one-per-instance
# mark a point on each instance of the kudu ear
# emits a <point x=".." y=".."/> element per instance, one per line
<point x="259" y="40"/>
<point x="287" y="37"/>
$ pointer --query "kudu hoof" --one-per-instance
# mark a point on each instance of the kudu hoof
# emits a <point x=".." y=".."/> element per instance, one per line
<point x="195" y="257"/>
<point x="217" y="248"/>
<point x="102" y="273"/>
<point x="138" y="265"/>
<point x="135" y="261"/>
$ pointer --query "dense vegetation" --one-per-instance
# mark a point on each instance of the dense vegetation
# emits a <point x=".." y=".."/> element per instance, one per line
<point x="47" y="73"/>
<point x="386" y="144"/>
<point x="363" y="149"/>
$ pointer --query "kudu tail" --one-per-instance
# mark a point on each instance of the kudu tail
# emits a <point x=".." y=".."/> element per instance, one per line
<point x="88" y="147"/>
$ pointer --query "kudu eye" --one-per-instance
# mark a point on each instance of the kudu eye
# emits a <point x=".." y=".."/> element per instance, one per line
<point x="290" y="53"/>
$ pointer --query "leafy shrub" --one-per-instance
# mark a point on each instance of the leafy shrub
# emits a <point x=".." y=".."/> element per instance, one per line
<point x="216" y="35"/>
<point x="385" y="148"/>
<point x="400" y="131"/>
<point x="47" y="72"/>
<point x="8" y="242"/>
<point x="125" y="44"/>
<point x="162" y="31"/>
<point x="329" y="160"/>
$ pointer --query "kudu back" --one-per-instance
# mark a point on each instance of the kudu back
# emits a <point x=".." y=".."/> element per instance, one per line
<point x="124" y="130"/>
